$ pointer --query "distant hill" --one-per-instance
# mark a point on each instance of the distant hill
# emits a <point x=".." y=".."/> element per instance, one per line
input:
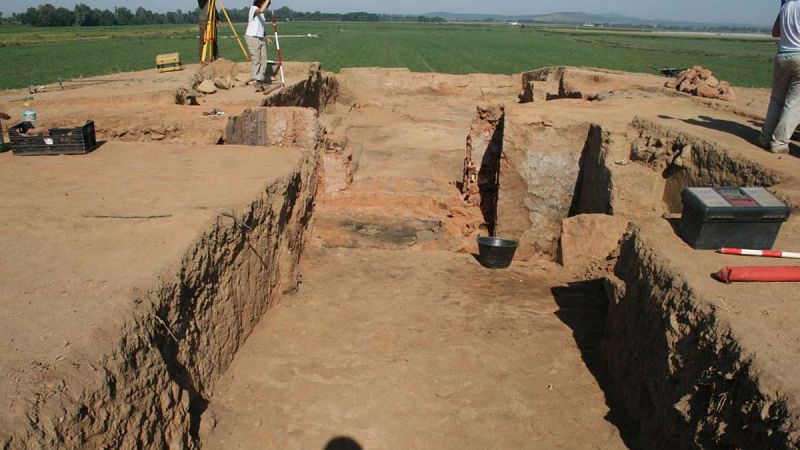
<point x="594" y="19"/>
<point x="557" y="17"/>
<point x="571" y="17"/>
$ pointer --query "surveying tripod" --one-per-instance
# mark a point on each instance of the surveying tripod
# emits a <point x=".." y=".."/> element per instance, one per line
<point x="208" y="48"/>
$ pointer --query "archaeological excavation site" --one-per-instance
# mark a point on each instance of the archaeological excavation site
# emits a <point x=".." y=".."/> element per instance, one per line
<point x="301" y="269"/>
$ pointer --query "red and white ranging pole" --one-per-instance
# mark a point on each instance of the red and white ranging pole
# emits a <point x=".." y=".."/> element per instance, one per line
<point x="762" y="253"/>
<point x="278" y="48"/>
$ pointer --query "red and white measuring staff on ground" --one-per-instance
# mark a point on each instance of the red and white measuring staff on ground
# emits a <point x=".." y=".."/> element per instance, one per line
<point x="278" y="48"/>
<point x="762" y="253"/>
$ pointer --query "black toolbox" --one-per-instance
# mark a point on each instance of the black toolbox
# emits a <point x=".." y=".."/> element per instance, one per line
<point x="59" y="141"/>
<point x="731" y="217"/>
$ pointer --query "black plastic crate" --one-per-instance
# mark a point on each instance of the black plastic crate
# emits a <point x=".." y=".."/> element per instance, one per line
<point x="60" y="141"/>
<point x="731" y="217"/>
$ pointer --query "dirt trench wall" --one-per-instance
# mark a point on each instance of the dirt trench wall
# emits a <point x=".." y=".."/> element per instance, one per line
<point x="609" y="183"/>
<point x="182" y="335"/>
<point x="641" y="172"/>
<point x="317" y="91"/>
<point x="480" y="184"/>
<point x="538" y="84"/>
<point x="674" y="368"/>
<point x="538" y="172"/>
<point x="283" y="127"/>
<point x="553" y="83"/>
<point x="337" y="163"/>
<point x="593" y="188"/>
<point x="686" y="161"/>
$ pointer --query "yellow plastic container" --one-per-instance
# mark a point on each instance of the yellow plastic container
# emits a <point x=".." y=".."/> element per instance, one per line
<point x="169" y="62"/>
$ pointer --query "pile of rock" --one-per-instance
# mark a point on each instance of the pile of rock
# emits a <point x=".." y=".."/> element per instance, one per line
<point x="700" y="82"/>
<point x="220" y="74"/>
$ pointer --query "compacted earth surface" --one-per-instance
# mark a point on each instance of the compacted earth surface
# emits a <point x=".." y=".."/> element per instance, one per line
<point x="456" y="358"/>
<point x="302" y="271"/>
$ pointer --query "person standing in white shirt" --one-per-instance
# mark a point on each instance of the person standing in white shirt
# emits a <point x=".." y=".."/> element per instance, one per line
<point x="783" y="114"/>
<point x="255" y="37"/>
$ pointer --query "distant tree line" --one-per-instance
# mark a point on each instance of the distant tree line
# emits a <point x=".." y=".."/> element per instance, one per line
<point x="286" y="13"/>
<point x="82" y="15"/>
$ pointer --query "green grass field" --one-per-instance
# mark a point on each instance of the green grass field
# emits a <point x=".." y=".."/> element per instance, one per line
<point x="43" y="55"/>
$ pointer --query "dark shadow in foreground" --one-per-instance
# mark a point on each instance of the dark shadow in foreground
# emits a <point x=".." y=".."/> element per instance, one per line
<point x="583" y="307"/>
<point x="343" y="443"/>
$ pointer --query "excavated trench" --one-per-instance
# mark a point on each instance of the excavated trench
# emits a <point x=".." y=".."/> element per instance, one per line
<point x="660" y="359"/>
<point x="147" y="384"/>
<point x="150" y="383"/>
<point x="674" y="376"/>
<point x="671" y="375"/>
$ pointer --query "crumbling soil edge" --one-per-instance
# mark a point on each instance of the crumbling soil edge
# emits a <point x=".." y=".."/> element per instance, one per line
<point x="687" y="161"/>
<point x="676" y="370"/>
<point x="182" y="335"/>
<point x="317" y="91"/>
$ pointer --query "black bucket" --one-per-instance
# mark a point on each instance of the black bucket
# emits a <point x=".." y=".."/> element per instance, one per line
<point x="496" y="253"/>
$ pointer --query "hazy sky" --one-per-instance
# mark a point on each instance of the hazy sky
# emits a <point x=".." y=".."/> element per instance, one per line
<point x="738" y="11"/>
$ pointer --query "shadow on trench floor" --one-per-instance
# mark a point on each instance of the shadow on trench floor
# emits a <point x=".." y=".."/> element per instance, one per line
<point x="343" y="443"/>
<point x="583" y="306"/>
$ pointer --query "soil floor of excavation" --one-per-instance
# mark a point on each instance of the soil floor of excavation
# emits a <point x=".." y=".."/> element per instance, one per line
<point x="417" y="350"/>
<point x="398" y="337"/>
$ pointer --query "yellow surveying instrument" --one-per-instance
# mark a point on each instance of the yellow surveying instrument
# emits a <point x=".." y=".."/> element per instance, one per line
<point x="208" y="53"/>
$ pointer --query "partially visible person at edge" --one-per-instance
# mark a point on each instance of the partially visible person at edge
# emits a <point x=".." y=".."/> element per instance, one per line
<point x="783" y="114"/>
<point x="255" y="37"/>
<point x="3" y="116"/>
